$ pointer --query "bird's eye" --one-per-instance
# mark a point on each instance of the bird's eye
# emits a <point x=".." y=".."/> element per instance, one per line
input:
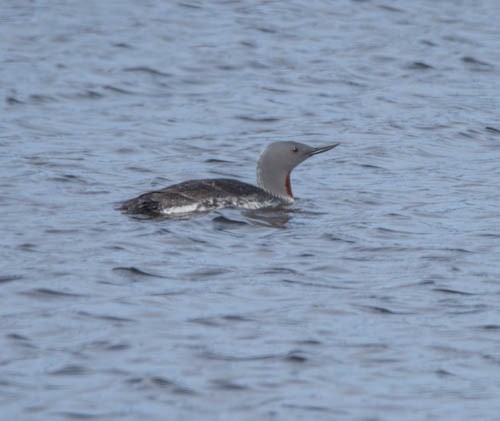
<point x="295" y="149"/>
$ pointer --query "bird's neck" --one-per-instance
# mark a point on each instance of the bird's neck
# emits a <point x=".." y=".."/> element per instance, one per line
<point x="274" y="181"/>
<point x="288" y="186"/>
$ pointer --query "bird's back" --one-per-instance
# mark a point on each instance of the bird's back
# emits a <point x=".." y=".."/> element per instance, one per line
<point x="198" y="196"/>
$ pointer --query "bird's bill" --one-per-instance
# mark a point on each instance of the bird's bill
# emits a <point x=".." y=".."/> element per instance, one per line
<point x="322" y="149"/>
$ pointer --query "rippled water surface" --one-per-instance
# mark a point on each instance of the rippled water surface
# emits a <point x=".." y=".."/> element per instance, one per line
<point x="376" y="296"/>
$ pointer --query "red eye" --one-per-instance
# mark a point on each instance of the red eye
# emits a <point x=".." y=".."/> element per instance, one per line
<point x="295" y="149"/>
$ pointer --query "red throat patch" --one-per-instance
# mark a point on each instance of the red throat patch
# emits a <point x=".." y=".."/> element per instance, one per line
<point x="288" y="185"/>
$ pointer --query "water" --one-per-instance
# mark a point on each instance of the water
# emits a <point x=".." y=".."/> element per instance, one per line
<point x="375" y="297"/>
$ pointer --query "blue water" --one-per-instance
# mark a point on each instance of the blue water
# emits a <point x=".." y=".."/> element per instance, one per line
<point x="375" y="297"/>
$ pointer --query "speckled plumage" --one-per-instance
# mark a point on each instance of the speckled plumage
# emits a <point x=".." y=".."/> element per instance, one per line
<point x="200" y="195"/>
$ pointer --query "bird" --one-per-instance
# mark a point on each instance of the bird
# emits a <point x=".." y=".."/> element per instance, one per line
<point x="273" y="188"/>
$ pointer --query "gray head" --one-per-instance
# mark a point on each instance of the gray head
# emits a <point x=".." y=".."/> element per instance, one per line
<point x="277" y="162"/>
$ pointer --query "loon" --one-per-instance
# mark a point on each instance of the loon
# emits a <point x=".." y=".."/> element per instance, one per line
<point x="273" y="178"/>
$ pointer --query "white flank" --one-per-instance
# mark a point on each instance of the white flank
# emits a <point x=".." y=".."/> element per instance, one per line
<point x="231" y="202"/>
<point x="181" y="209"/>
<point x="255" y="204"/>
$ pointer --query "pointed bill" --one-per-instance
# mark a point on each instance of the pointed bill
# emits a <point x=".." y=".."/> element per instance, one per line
<point x="322" y="149"/>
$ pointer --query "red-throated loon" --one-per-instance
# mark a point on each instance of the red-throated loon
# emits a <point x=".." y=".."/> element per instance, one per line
<point x="273" y="177"/>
